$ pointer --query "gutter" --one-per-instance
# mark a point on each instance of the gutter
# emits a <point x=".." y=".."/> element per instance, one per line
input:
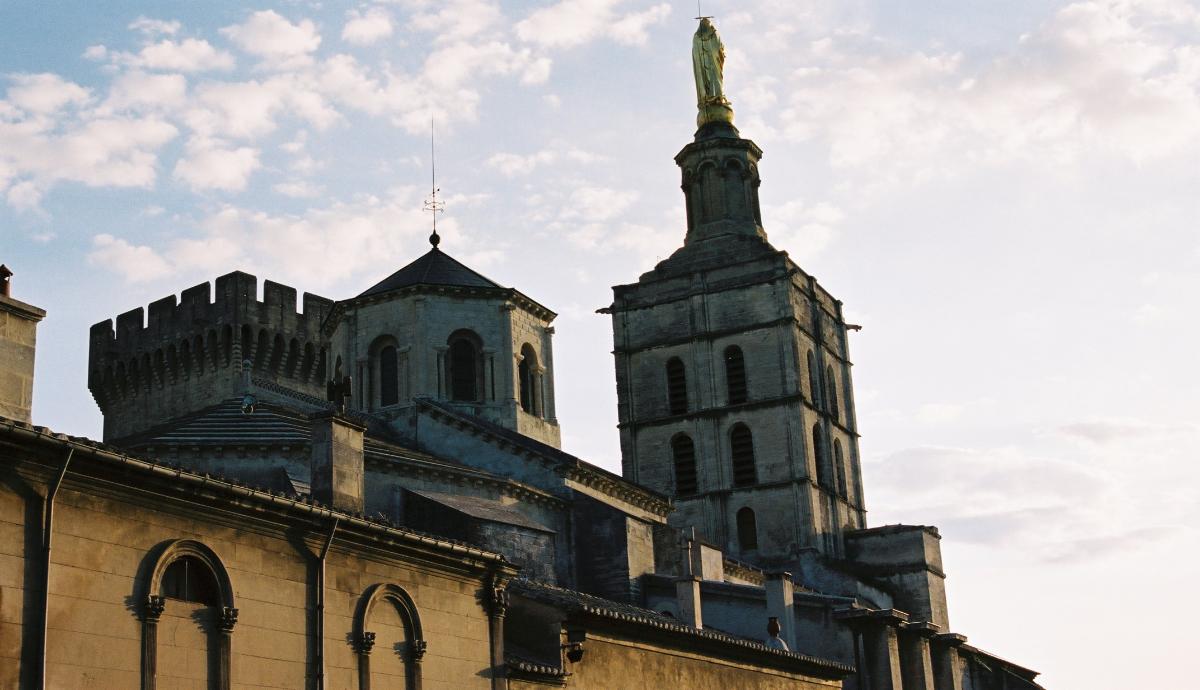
<point x="321" y="608"/>
<point x="47" y="539"/>
<point x="199" y="481"/>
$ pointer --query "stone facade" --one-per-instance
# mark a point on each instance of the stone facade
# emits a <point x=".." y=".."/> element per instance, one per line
<point x="18" y="342"/>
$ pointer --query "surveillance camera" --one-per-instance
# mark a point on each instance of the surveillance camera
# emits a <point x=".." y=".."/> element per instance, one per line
<point x="248" y="402"/>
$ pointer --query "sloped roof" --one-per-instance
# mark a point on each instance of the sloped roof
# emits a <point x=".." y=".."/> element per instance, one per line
<point x="434" y="268"/>
<point x="483" y="509"/>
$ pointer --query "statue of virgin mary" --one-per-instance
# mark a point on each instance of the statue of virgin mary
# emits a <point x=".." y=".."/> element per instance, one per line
<point x="708" y="63"/>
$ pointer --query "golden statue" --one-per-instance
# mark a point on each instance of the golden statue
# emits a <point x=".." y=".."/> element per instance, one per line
<point x="708" y="63"/>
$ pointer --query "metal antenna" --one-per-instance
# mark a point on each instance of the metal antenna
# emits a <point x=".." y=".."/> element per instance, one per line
<point x="432" y="204"/>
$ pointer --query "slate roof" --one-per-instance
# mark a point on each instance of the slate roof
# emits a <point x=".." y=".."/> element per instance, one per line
<point x="483" y="509"/>
<point x="434" y="268"/>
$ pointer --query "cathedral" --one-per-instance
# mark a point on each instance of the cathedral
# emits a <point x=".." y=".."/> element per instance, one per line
<point x="304" y="492"/>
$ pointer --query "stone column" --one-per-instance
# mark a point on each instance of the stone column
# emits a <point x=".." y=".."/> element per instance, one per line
<point x="443" y="385"/>
<point x="915" y="661"/>
<point x="365" y="643"/>
<point x="226" y="620"/>
<point x="881" y="648"/>
<point x="548" y="360"/>
<point x="944" y="654"/>
<point x="152" y="610"/>
<point x="337" y="472"/>
<point x="780" y="600"/>
<point x="497" y="599"/>
<point x="489" y="375"/>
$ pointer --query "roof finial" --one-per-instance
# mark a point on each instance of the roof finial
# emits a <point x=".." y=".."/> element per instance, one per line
<point x="432" y="204"/>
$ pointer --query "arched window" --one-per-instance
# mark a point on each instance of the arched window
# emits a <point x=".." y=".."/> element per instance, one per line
<point x="818" y="443"/>
<point x="677" y="398"/>
<point x="463" y="367"/>
<point x="814" y="381"/>
<point x="839" y="467"/>
<point x="527" y="372"/>
<point x="741" y="450"/>
<point x="747" y="530"/>
<point x="389" y="376"/>
<point x="831" y="393"/>
<point x="684" y="455"/>
<point x="187" y="585"/>
<point x="735" y="375"/>
<point x="189" y="579"/>
<point x="387" y="619"/>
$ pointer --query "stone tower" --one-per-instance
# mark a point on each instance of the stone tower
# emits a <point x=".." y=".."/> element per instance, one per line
<point x="437" y="329"/>
<point x="733" y="378"/>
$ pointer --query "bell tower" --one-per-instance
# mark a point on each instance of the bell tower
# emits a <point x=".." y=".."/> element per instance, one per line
<point x="733" y="376"/>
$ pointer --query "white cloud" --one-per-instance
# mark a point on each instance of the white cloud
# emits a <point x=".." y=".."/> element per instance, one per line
<point x="803" y="230"/>
<point x="272" y="37"/>
<point x="1109" y="431"/>
<point x="570" y="23"/>
<point x="366" y="27"/>
<point x="146" y="92"/>
<point x="155" y="26"/>
<point x="188" y="55"/>
<point x="44" y="93"/>
<point x="598" y="204"/>
<point x="1107" y="77"/>
<point x="210" y="165"/>
<point x="457" y="20"/>
<point x="938" y="413"/>
<point x="298" y="189"/>
<point x="514" y="164"/>
<point x="136" y="263"/>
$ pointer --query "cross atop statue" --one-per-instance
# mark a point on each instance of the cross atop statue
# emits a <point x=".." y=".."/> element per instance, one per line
<point x="708" y="65"/>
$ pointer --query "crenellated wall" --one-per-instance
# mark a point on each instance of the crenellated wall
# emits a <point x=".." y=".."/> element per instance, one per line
<point x="180" y="356"/>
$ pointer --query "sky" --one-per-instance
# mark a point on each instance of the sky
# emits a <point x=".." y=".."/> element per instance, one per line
<point x="1004" y="195"/>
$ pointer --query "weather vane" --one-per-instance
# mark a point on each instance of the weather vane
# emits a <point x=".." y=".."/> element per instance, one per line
<point x="432" y="204"/>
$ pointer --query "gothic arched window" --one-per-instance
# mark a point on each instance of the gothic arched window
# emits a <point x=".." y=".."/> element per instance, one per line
<point x="818" y="442"/>
<point x="677" y="398"/>
<point x="389" y="376"/>
<point x="735" y="375"/>
<point x="527" y="372"/>
<point x="463" y="370"/>
<point x="814" y="381"/>
<point x="839" y="467"/>
<point x="741" y="450"/>
<point x="831" y="393"/>
<point x="747" y="530"/>
<point x="683" y="452"/>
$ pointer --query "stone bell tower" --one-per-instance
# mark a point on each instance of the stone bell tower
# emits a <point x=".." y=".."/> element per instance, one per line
<point x="733" y="377"/>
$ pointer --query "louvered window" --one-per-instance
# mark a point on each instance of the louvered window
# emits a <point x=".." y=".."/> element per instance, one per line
<point x="741" y="449"/>
<point x="677" y="398"/>
<point x="831" y="392"/>
<point x="819" y="455"/>
<point x="735" y="375"/>
<point x="684" y="455"/>
<point x="747" y="530"/>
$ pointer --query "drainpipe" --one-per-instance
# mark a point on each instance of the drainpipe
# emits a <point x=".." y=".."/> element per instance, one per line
<point x="321" y="608"/>
<point x="47" y="535"/>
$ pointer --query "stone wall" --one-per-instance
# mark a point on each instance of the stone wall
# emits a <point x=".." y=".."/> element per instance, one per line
<point x="18" y="343"/>
<point x="104" y="540"/>
<point x="177" y="357"/>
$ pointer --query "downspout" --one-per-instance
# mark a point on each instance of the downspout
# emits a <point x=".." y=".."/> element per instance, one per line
<point x="321" y="608"/>
<point x="47" y="536"/>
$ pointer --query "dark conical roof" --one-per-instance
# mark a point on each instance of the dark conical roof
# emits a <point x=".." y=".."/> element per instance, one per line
<point x="434" y="268"/>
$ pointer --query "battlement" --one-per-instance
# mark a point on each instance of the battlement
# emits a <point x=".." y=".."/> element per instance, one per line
<point x="179" y="355"/>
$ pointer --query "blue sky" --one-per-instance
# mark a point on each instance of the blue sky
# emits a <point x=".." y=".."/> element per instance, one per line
<point x="1003" y="194"/>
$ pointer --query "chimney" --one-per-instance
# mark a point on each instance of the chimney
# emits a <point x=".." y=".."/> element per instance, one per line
<point x="780" y="600"/>
<point x="337" y="462"/>
<point x="18" y="341"/>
